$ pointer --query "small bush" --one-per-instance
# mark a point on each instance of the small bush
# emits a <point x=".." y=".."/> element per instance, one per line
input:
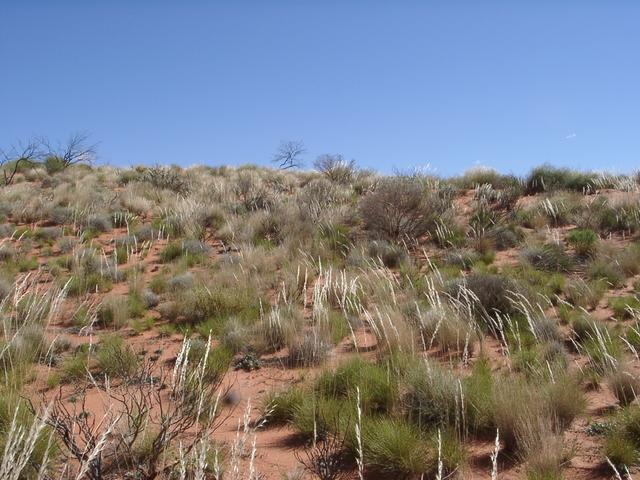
<point x="392" y="256"/>
<point x="625" y="307"/>
<point x="401" y="208"/>
<point x="112" y="312"/>
<point x="396" y="448"/>
<point x="549" y="257"/>
<point x="605" y="271"/>
<point x="621" y="451"/>
<point x="309" y="349"/>
<point x="432" y="397"/>
<point x="115" y="358"/>
<point x="99" y="222"/>
<point x="378" y="389"/>
<point x="584" y="241"/>
<point x="547" y="179"/>
<point x="491" y="291"/>
<point x="279" y="407"/>
<point x="624" y="385"/>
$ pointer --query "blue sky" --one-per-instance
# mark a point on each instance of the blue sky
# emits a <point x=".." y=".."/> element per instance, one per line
<point x="403" y="84"/>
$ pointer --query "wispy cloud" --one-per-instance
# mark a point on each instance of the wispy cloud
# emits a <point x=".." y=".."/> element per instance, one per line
<point x="571" y="136"/>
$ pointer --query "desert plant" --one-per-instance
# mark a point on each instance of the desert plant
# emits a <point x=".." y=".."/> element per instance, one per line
<point x="550" y="257"/>
<point x="583" y="241"/>
<point x="624" y="385"/>
<point x="401" y="207"/>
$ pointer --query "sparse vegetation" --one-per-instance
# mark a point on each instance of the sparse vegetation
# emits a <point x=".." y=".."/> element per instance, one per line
<point x="429" y="313"/>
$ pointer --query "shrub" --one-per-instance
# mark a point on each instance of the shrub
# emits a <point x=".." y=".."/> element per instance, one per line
<point x="396" y="448"/>
<point x="378" y="389"/>
<point x="279" y="407"/>
<point x="584" y="241"/>
<point x="478" y="394"/>
<point x="315" y="417"/>
<point x="115" y="358"/>
<point x="624" y="385"/>
<point x="547" y="178"/>
<point x="392" y="256"/>
<point x="308" y="349"/>
<point x="177" y="283"/>
<point x="99" y="222"/>
<point x="625" y="307"/>
<point x="622" y="443"/>
<point x="504" y="237"/>
<point x="166" y="178"/>
<point x="150" y="299"/>
<point x="432" y="398"/>
<point x="336" y="168"/>
<point x="5" y="289"/>
<point x="112" y="312"/>
<point x="550" y="257"/>
<point x="194" y="250"/>
<point x="621" y="451"/>
<point x="605" y="271"/>
<point x="618" y="218"/>
<point x="218" y="302"/>
<point x="582" y="294"/>
<point x="401" y="208"/>
<point x="629" y="259"/>
<point x="491" y="291"/>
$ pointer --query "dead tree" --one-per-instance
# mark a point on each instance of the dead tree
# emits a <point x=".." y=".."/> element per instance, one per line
<point x="77" y="150"/>
<point x="289" y="154"/>
<point x="17" y="157"/>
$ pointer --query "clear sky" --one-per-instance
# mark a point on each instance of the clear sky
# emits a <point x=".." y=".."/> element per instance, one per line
<point x="394" y="84"/>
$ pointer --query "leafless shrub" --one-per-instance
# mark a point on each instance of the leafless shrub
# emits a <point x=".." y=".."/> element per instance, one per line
<point x="401" y="208"/>
<point x="141" y="423"/>
<point x="166" y="178"/>
<point x="335" y="167"/>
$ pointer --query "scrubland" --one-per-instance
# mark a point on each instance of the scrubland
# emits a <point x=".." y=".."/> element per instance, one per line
<point x="245" y="323"/>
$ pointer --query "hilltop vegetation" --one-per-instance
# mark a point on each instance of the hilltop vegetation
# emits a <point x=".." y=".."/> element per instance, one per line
<point x="161" y="322"/>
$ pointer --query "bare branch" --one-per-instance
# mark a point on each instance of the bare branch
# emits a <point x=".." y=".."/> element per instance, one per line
<point x="289" y="154"/>
<point x="77" y="150"/>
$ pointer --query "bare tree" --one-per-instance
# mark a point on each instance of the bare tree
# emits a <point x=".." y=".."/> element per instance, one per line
<point x="77" y="150"/>
<point x="289" y="154"/>
<point x="19" y="156"/>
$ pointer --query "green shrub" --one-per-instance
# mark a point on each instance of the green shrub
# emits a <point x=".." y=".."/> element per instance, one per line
<point x="115" y="358"/>
<point x="621" y="451"/>
<point x="319" y="416"/>
<point x="624" y="307"/>
<point x="279" y="407"/>
<point x="582" y="294"/>
<point x="547" y="178"/>
<point x="584" y="241"/>
<point x="378" y="389"/>
<point x="432" y="397"/>
<point x="394" y="447"/>
<point x="478" y="394"/>
<point x="605" y="271"/>
<point x="112" y="312"/>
